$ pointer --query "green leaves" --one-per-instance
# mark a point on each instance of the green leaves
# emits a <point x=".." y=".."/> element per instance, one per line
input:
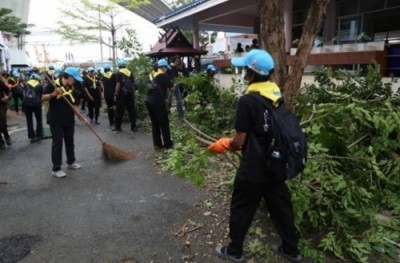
<point x="353" y="173"/>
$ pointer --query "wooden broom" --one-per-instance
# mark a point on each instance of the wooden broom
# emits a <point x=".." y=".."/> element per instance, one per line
<point x="110" y="152"/>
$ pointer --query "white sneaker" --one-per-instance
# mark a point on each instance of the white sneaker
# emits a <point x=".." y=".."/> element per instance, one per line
<point x="59" y="174"/>
<point x="74" y="166"/>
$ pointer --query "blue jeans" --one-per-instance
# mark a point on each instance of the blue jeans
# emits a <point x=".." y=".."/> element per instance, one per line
<point x="179" y="101"/>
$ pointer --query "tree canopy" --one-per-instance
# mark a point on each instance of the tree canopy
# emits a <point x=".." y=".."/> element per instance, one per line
<point x="12" y="24"/>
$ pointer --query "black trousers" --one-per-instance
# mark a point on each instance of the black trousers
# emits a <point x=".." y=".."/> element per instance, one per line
<point x="29" y="112"/>
<point x="128" y="102"/>
<point x="246" y="198"/>
<point x="110" y="108"/>
<point x="158" y="113"/>
<point x="17" y="97"/>
<point x="3" y="122"/>
<point x="60" y="133"/>
<point x="94" y="109"/>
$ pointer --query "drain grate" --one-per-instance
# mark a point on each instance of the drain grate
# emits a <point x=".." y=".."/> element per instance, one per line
<point x="15" y="248"/>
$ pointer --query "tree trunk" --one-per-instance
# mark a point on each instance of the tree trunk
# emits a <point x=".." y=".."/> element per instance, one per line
<point x="273" y="37"/>
<point x="311" y="28"/>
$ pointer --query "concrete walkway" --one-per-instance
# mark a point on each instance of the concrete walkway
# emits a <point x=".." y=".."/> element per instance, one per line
<point x="105" y="212"/>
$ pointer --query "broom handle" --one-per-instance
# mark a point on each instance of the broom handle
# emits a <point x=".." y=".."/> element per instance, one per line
<point x="77" y="113"/>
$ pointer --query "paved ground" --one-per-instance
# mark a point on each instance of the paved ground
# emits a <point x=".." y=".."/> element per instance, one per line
<point x="104" y="212"/>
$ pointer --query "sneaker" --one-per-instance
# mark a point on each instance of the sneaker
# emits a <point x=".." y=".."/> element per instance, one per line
<point x="74" y="166"/>
<point x="223" y="253"/>
<point x="114" y="130"/>
<point x="59" y="174"/>
<point x="292" y="258"/>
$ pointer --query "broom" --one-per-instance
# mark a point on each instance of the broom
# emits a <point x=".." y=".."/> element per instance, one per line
<point x="110" y="152"/>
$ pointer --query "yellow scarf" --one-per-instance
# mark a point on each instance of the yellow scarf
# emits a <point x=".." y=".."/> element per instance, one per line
<point x="108" y="74"/>
<point x="153" y="74"/>
<point x="93" y="80"/>
<point x="125" y="71"/>
<point x="33" y="83"/>
<point x="268" y="90"/>
<point x="67" y="93"/>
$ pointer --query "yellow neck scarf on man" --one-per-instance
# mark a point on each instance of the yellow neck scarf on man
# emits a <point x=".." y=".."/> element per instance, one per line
<point x="268" y="90"/>
<point x="67" y="93"/>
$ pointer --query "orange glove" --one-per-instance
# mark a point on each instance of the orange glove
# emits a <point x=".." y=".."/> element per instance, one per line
<point x="220" y="146"/>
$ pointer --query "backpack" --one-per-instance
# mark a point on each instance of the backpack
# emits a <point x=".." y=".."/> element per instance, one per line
<point x="127" y="85"/>
<point x="286" y="155"/>
<point x="152" y="84"/>
<point x="30" y="99"/>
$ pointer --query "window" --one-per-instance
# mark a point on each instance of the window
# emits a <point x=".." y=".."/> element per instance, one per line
<point x="371" y="5"/>
<point x="392" y="3"/>
<point x="300" y="5"/>
<point x="345" y="8"/>
<point x="349" y="29"/>
<point x="299" y="17"/>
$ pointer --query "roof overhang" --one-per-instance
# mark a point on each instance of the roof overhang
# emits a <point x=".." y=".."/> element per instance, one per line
<point x="213" y="15"/>
<point x="152" y="10"/>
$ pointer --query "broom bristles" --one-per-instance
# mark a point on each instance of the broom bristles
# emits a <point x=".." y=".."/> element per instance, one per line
<point x="113" y="153"/>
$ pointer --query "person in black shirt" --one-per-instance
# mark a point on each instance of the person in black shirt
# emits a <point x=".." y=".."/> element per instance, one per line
<point x="155" y="102"/>
<point x="61" y="118"/>
<point x="108" y="81"/>
<point x="16" y="86"/>
<point x="253" y="182"/>
<point x="239" y="50"/>
<point x="254" y="44"/>
<point x="93" y="93"/>
<point x="124" y="96"/>
<point x="32" y="104"/>
<point x="4" y="97"/>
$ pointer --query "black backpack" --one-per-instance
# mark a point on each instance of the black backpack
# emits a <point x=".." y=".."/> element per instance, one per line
<point x="286" y="154"/>
<point x="30" y="99"/>
<point x="128" y="87"/>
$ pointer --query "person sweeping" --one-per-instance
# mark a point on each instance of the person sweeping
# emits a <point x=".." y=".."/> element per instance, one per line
<point x="61" y="118"/>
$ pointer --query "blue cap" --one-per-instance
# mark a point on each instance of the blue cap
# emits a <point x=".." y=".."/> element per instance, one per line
<point x="121" y="63"/>
<point x="74" y="72"/>
<point x="211" y="67"/>
<point x="106" y="66"/>
<point x="90" y="69"/>
<point x="51" y="66"/>
<point x="163" y="63"/>
<point x="35" y="76"/>
<point x="15" y="73"/>
<point x="258" y="60"/>
<point x="57" y="71"/>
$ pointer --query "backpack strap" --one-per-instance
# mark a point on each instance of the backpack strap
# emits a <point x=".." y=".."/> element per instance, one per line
<point x="264" y="101"/>
<point x="268" y="105"/>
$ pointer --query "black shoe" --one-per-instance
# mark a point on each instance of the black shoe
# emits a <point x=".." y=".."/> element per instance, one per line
<point x="36" y="139"/>
<point x="97" y="123"/>
<point x="8" y="141"/>
<point x="292" y="258"/>
<point x="2" y="145"/>
<point x="134" y="129"/>
<point x="223" y="253"/>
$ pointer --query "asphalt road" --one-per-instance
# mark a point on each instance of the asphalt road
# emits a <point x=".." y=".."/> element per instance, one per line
<point x="105" y="212"/>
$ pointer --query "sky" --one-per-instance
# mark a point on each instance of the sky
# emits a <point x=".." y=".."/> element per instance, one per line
<point x="42" y="37"/>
